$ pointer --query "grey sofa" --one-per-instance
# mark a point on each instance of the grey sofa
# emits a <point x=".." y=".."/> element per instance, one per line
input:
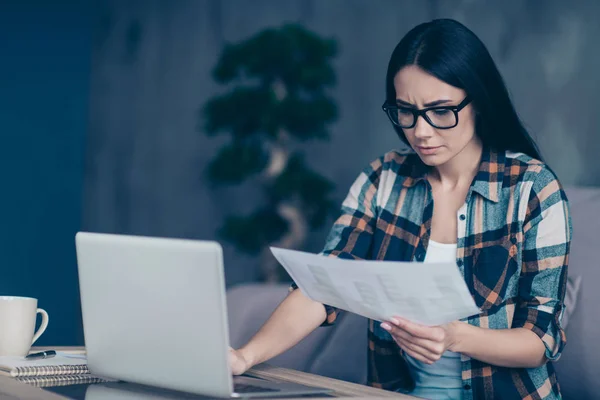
<point x="340" y="351"/>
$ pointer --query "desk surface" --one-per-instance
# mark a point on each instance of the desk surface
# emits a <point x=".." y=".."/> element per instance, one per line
<point x="12" y="389"/>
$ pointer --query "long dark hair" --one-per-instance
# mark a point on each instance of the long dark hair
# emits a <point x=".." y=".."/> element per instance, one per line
<point x="452" y="53"/>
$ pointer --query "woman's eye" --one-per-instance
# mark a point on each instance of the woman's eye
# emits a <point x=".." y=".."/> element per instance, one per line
<point x="404" y="111"/>
<point x="441" y="112"/>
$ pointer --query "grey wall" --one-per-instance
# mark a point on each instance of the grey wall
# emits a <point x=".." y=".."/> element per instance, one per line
<point x="150" y="76"/>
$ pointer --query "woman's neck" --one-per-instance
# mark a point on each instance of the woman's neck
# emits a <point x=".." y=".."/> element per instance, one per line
<point x="461" y="169"/>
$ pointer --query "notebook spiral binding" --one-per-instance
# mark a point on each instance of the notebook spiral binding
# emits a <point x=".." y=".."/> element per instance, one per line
<point x="60" y="380"/>
<point x="51" y="370"/>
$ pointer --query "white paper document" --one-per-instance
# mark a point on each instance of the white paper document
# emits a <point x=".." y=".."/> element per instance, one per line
<point x="427" y="293"/>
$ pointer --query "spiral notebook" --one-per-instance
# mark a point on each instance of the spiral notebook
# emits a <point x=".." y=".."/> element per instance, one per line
<point x="60" y="380"/>
<point x="63" y="369"/>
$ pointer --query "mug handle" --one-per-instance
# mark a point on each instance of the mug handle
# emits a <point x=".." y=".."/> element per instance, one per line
<point x="43" y="325"/>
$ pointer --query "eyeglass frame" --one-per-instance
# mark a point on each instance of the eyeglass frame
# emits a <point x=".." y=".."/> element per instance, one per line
<point x="386" y="107"/>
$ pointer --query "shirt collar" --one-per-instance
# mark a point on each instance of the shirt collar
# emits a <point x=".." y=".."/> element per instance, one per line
<point x="487" y="181"/>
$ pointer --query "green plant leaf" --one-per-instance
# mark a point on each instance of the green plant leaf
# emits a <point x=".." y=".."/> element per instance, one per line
<point x="293" y="54"/>
<point x="236" y="162"/>
<point x="297" y="61"/>
<point x="243" y="112"/>
<point x="306" y="118"/>
<point x="310" y="69"/>
<point x="311" y="190"/>
<point x="251" y="234"/>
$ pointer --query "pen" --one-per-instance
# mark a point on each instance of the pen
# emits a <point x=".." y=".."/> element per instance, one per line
<point x="40" y="355"/>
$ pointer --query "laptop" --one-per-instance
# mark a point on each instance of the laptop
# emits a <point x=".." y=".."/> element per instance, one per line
<point x="154" y="313"/>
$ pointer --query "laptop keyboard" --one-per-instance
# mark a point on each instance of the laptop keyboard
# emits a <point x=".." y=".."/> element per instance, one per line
<point x="246" y="388"/>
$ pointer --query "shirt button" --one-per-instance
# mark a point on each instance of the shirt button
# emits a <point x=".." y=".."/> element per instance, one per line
<point x="467" y="387"/>
<point x="462" y="217"/>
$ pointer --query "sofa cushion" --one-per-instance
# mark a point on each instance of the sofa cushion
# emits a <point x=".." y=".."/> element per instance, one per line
<point x="344" y="353"/>
<point x="580" y="362"/>
<point x="571" y="296"/>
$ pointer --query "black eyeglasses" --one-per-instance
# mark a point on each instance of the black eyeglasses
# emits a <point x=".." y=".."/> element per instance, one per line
<point x="440" y="117"/>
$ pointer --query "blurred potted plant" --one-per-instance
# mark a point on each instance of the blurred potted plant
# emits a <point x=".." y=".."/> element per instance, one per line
<point x="276" y="100"/>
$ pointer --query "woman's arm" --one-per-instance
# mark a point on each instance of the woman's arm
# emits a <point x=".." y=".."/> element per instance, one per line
<point x="513" y="348"/>
<point x="543" y="276"/>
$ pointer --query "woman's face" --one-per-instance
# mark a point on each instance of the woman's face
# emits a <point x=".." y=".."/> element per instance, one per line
<point x="416" y="88"/>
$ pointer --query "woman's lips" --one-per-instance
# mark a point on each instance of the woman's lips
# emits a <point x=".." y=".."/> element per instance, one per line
<point x="428" y="150"/>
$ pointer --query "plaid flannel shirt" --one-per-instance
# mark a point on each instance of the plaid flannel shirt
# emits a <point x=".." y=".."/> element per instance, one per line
<point x="514" y="235"/>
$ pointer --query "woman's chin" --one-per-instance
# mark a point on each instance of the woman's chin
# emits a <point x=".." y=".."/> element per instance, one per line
<point x="433" y="160"/>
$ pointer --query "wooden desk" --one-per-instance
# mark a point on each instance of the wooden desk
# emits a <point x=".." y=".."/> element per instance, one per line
<point x="11" y="389"/>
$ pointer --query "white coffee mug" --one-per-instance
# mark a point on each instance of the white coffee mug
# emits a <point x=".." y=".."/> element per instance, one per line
<point x="17" y="325"/>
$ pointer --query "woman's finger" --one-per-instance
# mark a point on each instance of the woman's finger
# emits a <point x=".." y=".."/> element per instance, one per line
<point x="433" y="347"/>
<point x="434" y="333"/>
<point x="423" y="353"/>
<point x="416" y="355"/>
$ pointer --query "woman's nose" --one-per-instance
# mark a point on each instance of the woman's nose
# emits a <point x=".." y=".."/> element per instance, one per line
<point x="422" y="128"/>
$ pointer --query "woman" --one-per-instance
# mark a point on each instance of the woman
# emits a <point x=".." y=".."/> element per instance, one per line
<point x="474" y="191"/>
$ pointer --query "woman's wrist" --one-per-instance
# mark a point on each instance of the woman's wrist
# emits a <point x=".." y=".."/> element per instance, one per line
<point x="459" y="333"/>
<point x="248" y="356"/>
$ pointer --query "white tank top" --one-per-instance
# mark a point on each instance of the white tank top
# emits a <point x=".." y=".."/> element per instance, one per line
<point x="443" y="379"/>
<point x="440" y="252"/>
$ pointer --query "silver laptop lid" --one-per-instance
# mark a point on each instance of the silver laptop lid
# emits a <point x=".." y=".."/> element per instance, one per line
<point x="145" y="304"/>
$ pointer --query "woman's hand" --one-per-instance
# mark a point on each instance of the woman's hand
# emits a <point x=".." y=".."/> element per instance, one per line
<point x="239" y="363"/>
<point x="424" y="343"/>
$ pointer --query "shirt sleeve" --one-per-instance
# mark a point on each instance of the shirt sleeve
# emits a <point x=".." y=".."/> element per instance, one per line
<point x="351" y="234"/>
<point x="543" y="279"/>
